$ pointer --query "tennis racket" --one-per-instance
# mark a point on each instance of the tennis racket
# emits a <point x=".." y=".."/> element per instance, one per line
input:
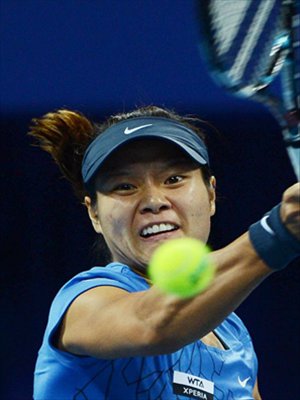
<point x="249" y="43"/>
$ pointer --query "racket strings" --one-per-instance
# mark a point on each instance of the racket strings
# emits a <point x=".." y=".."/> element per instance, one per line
<point x="243" y="39"/>
<point x="226" y="20"/>
<point x="248" y="43"/>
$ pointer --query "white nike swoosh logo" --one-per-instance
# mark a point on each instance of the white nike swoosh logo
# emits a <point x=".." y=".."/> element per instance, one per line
<point x="266" y="226"/>
<point x="128" y="131"/>
<point x="244" y="382"/>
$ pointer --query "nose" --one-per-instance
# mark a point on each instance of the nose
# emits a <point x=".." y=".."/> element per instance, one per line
<point x="154" y="201"/>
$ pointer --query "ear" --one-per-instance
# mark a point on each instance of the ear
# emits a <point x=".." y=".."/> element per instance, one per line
<point x="93" y="214"/>
<point x="212" y="195"/>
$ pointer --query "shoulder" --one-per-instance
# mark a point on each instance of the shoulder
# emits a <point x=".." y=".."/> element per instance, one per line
<point x="113" y="275"/>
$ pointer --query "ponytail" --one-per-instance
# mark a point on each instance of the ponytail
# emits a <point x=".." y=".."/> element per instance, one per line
<point x="65" y="135"/>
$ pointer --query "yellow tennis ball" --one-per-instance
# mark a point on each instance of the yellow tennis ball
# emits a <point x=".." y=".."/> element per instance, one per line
<point x="181" y="267"/>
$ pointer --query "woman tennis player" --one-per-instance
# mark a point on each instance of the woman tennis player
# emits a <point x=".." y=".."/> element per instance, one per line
<point x="144" y="177"/>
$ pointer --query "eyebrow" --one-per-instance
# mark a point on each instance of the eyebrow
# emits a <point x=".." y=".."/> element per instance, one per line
<point x="172" y="163"/>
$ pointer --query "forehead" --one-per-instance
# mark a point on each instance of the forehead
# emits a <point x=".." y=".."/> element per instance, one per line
<point x="147" y="151"/>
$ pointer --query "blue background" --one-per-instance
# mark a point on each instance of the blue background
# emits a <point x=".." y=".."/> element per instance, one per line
<point x="101" y="57"/>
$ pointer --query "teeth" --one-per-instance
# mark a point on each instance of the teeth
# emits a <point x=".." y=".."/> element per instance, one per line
<point x="158" y="229"/>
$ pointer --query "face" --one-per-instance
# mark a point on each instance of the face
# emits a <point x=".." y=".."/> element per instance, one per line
<point x="149" y="192"/>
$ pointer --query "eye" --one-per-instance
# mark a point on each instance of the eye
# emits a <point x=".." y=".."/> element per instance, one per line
<point x="174" y="179"/>
<point x="124" y="187"/>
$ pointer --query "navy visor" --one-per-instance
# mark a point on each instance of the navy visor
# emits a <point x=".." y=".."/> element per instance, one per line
<point x="137" y="128"/>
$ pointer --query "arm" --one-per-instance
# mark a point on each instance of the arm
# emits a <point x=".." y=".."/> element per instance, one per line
<point x="256" y="394"/>
<point x="107" y="322"/>
<point x="148" y="322"/>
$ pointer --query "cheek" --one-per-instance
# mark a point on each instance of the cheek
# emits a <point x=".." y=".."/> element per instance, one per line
<point x="198" y="206"/>
<point x="114" y="220"/>
<point x="118" y="225"/>
<point x="200" y="224"/>
<point x="199" y="214"/>
<point x="197" y="199"/>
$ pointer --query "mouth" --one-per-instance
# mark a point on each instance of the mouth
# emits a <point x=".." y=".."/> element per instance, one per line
<point x="158" y="229"/>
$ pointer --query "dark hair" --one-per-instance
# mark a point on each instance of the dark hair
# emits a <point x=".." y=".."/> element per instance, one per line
<point x="66" y="134"/>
